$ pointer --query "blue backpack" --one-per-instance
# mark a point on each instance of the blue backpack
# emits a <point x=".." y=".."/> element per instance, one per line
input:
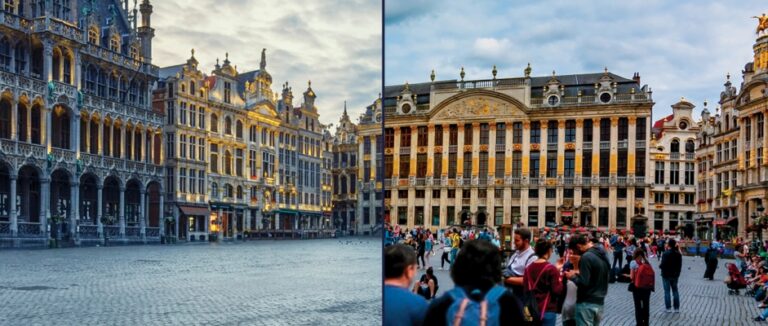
<point x="465" y="311"/>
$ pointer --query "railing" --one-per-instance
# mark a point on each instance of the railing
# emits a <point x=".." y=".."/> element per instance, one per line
<point x="623" y="144"/>
<point x="452" y="148"/>
<point x="538" y="102"/>
<point x="586" y="181"/>
<point x="483" y="180"/>
<point x="486" y="83"/>
<point x="604" y="180"/>
<point x="421" y="182"/>
<point x="132" y="232"/>
<point x="88" y="231"/>
<point x="27" y="228"/>
<point x="674" y="156"/>
<point x="14" y="21"/>
<point x="587" y="145"/>
<point x="405" y="150"/>
<point x="552" y="146"/>
<point x="55" y="26"/>
<point x="112" y="230"/>
<point x="515" y="180"/>
<point x="639" y="144"/>
<point x="690" y="156"/>
<point x="5" y="228"/>
<point x="605" y="145"/>
<point x="67" y="155"/>
<point x="152" y="232"/>
<point x="437" y="181"/>
<point x="568" y="180"/>
<point x="501" y="147"/>
<point x="533" y="181"/>
<point x="621" y="180"/>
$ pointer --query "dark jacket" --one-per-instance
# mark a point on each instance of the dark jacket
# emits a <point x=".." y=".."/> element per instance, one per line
<point x="671" y="263"/>
<point x="592" y="280"/>
<point x="510" y="312"/>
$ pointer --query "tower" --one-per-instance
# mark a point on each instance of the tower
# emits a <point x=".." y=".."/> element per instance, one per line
<point x="146" y="32"/>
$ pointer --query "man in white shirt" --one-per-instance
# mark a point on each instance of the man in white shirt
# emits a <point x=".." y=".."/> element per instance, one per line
<point x="516" y="264"/>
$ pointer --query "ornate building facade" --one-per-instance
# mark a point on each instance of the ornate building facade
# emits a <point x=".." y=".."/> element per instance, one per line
<point x="540" y="151"/>
<point x="357" y="191"/>
<point x="240" y="157"/>
<point x="672" y="157"/>
<point x="81" y="145"/>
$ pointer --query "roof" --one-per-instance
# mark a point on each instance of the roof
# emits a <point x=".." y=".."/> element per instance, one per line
<point x="245" y="77"/>
<point x="210" y="81"/>
<point x="658" y="126"/>
<point x="170" y="71"/>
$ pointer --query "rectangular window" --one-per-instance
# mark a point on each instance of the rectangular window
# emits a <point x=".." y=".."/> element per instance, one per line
<point x="586" y="164"/>
<point x="422" y="136"/>
<point x="437" y="165"/>
<point x="621" y="217"/>
<point x="552" y="164"/>
<point x="622" y="163"/>
<point x="533" y="193"/>
<point x="467" y="165"/>
<point x="605" y="129"/>
<point x="534" y="168"/>
<point x="659" y="173"/>
<point x="570" y="131"/>
<point x="405" y="137"/>
<point x="453" y="135"/>
<point x="533" y="216"/>
<point x="483" y="168"/>
<point x="623" y="129"/>
<point x="484" y="133"/>
<point x="517" y="132"/>
<point x="689" y="174"/>
<point x="468" y="134"/>
<point x="587" y="130"/>
<point x="552" y="132"/>
<point x="501" y="134"/>
<point x="183" y="180"/>
<point x="388" y="166"/>
<point x="570" y="163"/>
<point x="674" y="173"/>
<point x="227" y="92"/>
<point x="421" y="165"/>
<point x="604" y="163"/>
<point x="438" y="135"/>
<point x="640" y="129"/>
<point x="640" y="163"/>
<point x="535" y="132"/>
<point x="389" y="138"/>
<point x="602" y="216"/>
<point x="452" y="165"/>
<point x="405" y="165"/>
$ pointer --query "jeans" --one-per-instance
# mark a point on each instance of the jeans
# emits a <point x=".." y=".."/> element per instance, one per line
<point x="550" y="318"/>
<point x="670" y="282"/>
<point x="443" y="259"/>
<point x="588" y="314"/>
<point x="454" y="252"/>
<point x="618" y="257"/>
<point x="642" y="309"/>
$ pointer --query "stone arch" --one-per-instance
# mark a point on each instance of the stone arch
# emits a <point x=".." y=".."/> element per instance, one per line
<point x="154" y="190"/>
<point x="28" y="189"/>
<point x="88" y="197"/>
<point x="61" y="128"/>
<point x="6" y="115"/>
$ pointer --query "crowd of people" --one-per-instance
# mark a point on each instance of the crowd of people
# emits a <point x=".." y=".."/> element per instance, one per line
<point x="532" y="286"/>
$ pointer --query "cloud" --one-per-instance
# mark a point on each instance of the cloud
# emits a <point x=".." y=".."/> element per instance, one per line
<point x="337" y="44"/>
<point x="400" y="11"/>
<point x="679" y="48"/>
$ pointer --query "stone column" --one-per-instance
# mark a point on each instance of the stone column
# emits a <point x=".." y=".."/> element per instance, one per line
<point x="414" y="151"/>
<point x="47" y="60"/>
<point x="122" y="211"/>
<point x="88" y="132"/>
<point x="99" y="205"/>
<point x="396" y="156"/>
<point x="543" y="152"/>
<point x="15" y="118"/>
<point x="13" y="217"/>
<point x="77" y="80"/>
<point x="74" y="206"/>
<point x="631" y="147"/>
<point x="45" y="194"/>
<point x="142" y="211"/>
<point x="161" y="218"/>
<point x="220" y="220"/>
<point x="374" y="155"/>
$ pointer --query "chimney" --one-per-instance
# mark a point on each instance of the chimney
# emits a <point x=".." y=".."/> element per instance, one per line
<point x="636" y="78"/>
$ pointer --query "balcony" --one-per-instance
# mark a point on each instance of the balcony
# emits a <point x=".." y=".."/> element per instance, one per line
<point x="604" y="181"/>
<point x="552" y="146"/>
<point x="605" y="145"/>
<point x="587" y="145"/>
<point x="58" y="27"/>
<point x="18" y="23"/>
<point x="690" y="156"/>
<point x="568" y="180"/>
<point x="405" y="150"/>
<point x="640" y="144"/>
<point x="674" y="156"/>
<point x="93" y="102"/>
<point x="500" y="147"/>
<point x="623" y="144"/>
<point x="452" y="148"/>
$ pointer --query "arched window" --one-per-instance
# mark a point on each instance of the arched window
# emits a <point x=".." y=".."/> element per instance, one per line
<point x="689" y="146"/>
<point x="92" y="75"/>
<point x="227" y="126"/>
<point x="214" y="123"/>
<point x="113" y="80"/>
<point x="67" y="68"/>
<point x="123" y="89"/>
<point x="114" y="43"/>
<point x="214" y="190"/>
<point x="675" y="146"/>
<point x="21" y="119"/>
<point x="35" y="123"/>
<point x="239" y="129"/>
<point x="5" y="118"/>
<point x="56" y="61"/>
<point x="192" y="87"/>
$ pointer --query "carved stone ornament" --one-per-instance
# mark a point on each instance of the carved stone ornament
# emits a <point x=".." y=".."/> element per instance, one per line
<point x="479" y="106"/>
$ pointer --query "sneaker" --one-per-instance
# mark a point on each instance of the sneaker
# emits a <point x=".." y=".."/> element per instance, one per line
<point x="677" y="311"/>
<point x="668" y="310"/>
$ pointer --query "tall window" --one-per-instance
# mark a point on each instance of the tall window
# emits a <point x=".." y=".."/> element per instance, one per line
<point x="517" y="132"/>
<point x="570" y="131"/>
<point x="587" y="130"/>
<point x="227" y="126"/>
<point x="422" y="136"/>
<point x="760" y="122"/>
<point x="239" y="162"/>
<point x="388" y="166"/>
<point x="569" y="163"/>
<point x="640" y="129"/>
<point x="483" y="168"/>
<point x="551" y="164"/>
<point x="467" y="168"/>
<point x="468" y="134"/>
<point x="452" y="165"/>
<point x="484" y="133"/>
<point x="552" y="132"/>
<point x="453" y="135"/>
<point x="535" y="132"/>
<point x="674" y="173"/>
<point x="439" y="135"/>
<point x="21" y="59"/>
<point x="659" y="174"/>
<point x="214" y="158"/>
<point x="421" y="165"/>
<point x="405" y="165"/>
<point x="586" y="164"/>
<point x="623" y="129"/>
<point x="227" y="92"/>
<point x="605" y="129"/>
<point x="501" y="134"/>
<point x="534" y="168"/>
<point x="405" y="137"/>
<point x="689" y="174"/>
<point x="389" y="138"/>
<point x="517" y="164"/>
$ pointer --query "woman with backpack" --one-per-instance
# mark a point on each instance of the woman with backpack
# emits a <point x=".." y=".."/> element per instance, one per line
<point x="643" y="281"/>
<point x="710" y="258"/>
<point x="544" y="282"/>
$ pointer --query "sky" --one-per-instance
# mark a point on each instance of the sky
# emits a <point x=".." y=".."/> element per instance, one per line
<point x="680" y="48"/>
<point x="337" y="45"/>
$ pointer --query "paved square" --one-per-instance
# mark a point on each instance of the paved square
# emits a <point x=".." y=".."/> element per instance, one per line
<point x="307" y="282"/>
<point x="702" y="302"/>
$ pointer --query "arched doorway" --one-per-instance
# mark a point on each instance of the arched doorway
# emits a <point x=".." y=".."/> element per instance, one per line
<point x="132" y="209"/>
<point x="482" y="217"/>
<point x="466" y="217"/>
<point x="88" y="198"/>
<point x="60" y="203"/>
<point x="28" y="192"/>
<point x="110" y="204"/>
<point x="153" y="194"/>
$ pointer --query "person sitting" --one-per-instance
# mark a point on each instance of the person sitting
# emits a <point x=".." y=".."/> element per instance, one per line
<point x="735" y="280"/>
<point x="427" y="286"/>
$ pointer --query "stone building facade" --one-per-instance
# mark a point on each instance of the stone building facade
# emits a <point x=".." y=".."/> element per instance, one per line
<point x="541" y="151"/>
<point x="672" y="158"/>
<point x="82" y="148"/>
<point x="241" y="157"/>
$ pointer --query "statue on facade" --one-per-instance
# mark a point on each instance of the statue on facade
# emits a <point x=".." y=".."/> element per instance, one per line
<point x="762" y="23"/>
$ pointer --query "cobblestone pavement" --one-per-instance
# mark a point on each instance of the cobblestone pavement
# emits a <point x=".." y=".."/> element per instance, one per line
<point x="702" y="302"/>
<point x="307" y="282"/>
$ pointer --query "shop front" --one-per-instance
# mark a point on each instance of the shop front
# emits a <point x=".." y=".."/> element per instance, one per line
<point x="192" y="223"/>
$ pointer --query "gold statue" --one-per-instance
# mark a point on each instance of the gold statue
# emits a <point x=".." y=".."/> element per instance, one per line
<point x="762" y="23"/>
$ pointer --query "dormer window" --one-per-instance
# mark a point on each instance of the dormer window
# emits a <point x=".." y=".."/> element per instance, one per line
<point x="553" y="100"/>
<point x="134" y="52"/>
<point x="192" y="87"/>
<point x="93" y="36"/>
<point x="114" y="44"/>
<point x="227" y="92"/>
<point x="605" y="98"/>
<point x="406" y="108"/>
<point x="10" y="6"/>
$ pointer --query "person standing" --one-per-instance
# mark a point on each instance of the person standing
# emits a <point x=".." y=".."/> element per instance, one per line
<point x="710" y="258"/>
<point x="543" y="280"/>
<point x="455" y="242"/>
<point x="642" y="276"/>
<point x="401" y="306"/>
<point x="519" y="261"/>
<point x="446" y="251"/>
<point x="591" y="280"/>
<point x="671" y="265"/>
<point x="618" y="252"/>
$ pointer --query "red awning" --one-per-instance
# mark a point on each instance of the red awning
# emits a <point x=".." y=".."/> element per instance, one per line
<point x="194" y="211"/>
<point x="566" y="213"/>
<point x="718" y="222"/>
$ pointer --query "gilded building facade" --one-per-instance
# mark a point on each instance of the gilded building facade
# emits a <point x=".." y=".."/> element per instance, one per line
<point x="81" y="147"/>
<point x="672" y="158"/>
<point x="241" y="157"/>
<point x="357" y="187"/>
<point x="540" y="151"/>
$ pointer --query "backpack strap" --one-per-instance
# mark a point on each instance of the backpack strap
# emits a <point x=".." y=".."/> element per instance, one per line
<point x="460" y="314"/>
<point x="483" y="312"/>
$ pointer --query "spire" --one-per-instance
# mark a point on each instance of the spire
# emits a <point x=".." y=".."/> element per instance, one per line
<point x="226" y="58"/>
<point x="263" y="63"/>
<point x="345" y="107"/>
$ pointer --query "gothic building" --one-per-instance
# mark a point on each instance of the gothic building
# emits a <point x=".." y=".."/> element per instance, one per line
<point x="80" y="145"/>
